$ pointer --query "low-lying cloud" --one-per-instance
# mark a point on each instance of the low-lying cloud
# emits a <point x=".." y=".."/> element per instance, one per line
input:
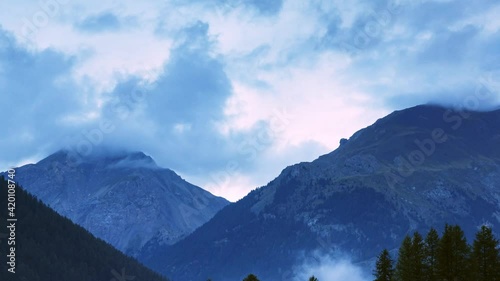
<point x="330" y="268"/>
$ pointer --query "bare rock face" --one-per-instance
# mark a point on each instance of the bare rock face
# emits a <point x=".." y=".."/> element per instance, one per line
<point x="122" y="198"/>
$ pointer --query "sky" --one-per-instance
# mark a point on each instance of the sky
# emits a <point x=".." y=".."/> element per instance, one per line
<point x="228" y="93"/>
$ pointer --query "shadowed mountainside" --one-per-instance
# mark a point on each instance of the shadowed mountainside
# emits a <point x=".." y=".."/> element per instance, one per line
<point x="49" y="247"/>
<point x="413" y="169"/>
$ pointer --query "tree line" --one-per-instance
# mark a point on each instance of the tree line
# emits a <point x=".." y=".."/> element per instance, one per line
<point x="445" y="258"/>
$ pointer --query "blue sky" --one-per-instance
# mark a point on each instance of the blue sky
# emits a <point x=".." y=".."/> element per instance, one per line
<point x="228" y="93"/>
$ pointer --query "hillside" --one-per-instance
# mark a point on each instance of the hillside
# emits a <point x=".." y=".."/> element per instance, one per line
<point x="121" y="197"/>
<point x="50" y="247"/>
<point x="413" y="169"/>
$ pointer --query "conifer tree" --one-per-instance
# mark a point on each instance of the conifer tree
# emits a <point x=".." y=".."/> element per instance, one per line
<point x="312" y="278"/>
<point x="453" y="255"/>
<point x="430" y="257"/>
<point x="251" y="277"/>
<point x="384" y="270"/>
<point x="417" y="257"/>
<point x="485" y="256"/>
<point x="404" y="266"/>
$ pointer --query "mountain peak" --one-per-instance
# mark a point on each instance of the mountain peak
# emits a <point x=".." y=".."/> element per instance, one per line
<point x="121" y="189"/>
<point x="104" y="157"/>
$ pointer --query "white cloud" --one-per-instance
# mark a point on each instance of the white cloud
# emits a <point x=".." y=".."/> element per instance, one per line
<point x="320" y="104"/>
<point x="327" y="268"/>
<point x="103" y="57"/>
<point x="487" y="21"/>
<point x="268" y="64"/>
<point x="241" y="31"/>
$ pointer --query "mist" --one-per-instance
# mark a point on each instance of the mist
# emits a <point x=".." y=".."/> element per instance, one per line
<point x="330" y="268"/>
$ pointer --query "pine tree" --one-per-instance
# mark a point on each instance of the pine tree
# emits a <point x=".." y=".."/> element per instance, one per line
<point x="430" y="258"/>
<point x="453" y="255"/>
<point x="404" y="266"/>
<point x="251" y="277"/>
<point x="417" y="257"/>
<point x="384" y="270"/>
<point x="485" y="256"/>
<point x="312" y="278"/>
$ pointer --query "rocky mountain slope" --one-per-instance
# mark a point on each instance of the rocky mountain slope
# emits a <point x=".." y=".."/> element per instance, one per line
<point x="416" y="168"/>
<point x="122" y="198"/>
<point x="48" y="247"/>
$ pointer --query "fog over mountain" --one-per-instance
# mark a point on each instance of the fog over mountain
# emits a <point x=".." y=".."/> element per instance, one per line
<point x="329" y="268"/>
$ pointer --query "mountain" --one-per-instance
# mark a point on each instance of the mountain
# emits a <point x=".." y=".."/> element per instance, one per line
<point x="413" y="169"/>
<point x="123" y="198"/>
<point x="49" y="247"/>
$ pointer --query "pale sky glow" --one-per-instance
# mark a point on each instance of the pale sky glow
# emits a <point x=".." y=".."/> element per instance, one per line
<point x="232" y="91"/>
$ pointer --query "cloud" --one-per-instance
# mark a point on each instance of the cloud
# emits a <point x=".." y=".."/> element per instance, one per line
<point x="180" y="107"/>
<point x="38" y="99"/>
<point x="414" y="59"/>
<point x="105" y="21"/>
<point x="326" y="268"/>
<point x="266" y="8"/>
<point x="227" y="93"/>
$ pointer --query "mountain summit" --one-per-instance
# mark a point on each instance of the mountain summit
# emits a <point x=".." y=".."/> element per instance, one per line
<point x="123" y="198"/>
<point x="416" y="168"/>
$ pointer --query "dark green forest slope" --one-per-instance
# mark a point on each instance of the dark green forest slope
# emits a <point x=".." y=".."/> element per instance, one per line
<point x="49" y="247"/>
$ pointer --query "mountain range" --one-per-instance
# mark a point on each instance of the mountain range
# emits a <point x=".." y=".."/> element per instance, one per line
<point x="121" y="197"/>
<point x="414" y="169"/>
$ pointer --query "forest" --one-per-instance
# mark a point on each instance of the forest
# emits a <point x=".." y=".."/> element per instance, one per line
<point x="442" y="258"/>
